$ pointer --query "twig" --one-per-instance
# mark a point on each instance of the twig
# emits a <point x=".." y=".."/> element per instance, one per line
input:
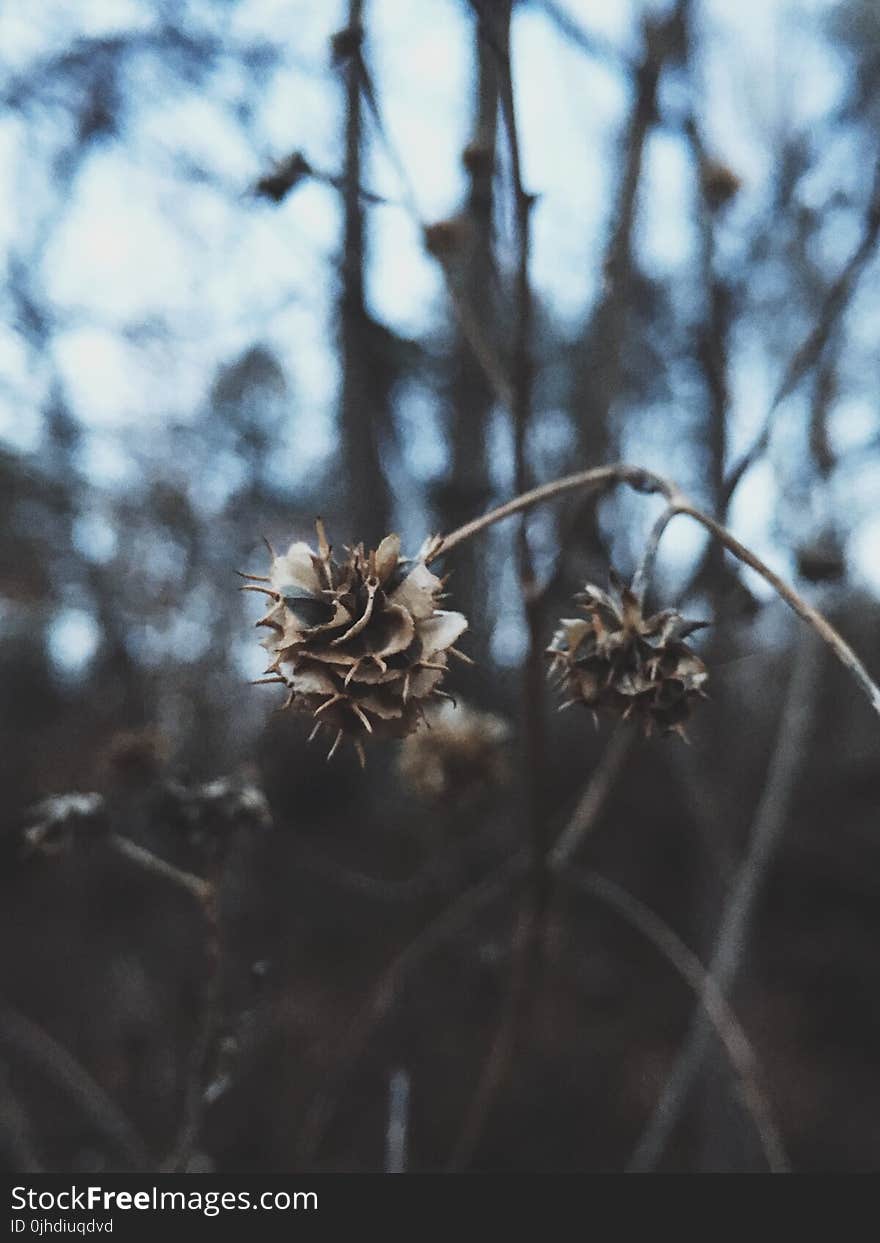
<point x="642" y="576"/>
<point x="472" y="329"/>
<point x="595" y="479"/>
<point x="206" y="893"/>
<point x="592" y="44"/>
<point x="497" y="1062"/>
<point x="526" y="940"/>
<point x="380" y="1003"/>
<point x="148" y="862"/>
<point x="530" y="926"/>
<point x="204" y="1046"/>
<point x="812" y="347"/>
<point x="805" y="611"/>
<point x="796" y="720"/>
<point x="25" y="1040"/>
<point x="711" y="998"/>
<point x="586" y="814"/>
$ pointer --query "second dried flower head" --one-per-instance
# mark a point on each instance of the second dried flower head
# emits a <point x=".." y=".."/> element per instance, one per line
<point x="360" y="643"/>
<point x="616" y="660"/>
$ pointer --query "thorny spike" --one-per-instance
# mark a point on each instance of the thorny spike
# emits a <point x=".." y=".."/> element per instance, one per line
<point x="313" y="735"/>
<point x="462" y="656"/>
<point x="324" y="548"/>
<point x="335" y="746"/>
<point x="328" y="703"/>
<point x="267" y="681"/>
<point x="356" y="627"/>
<point x="256" y="578"/>
<point x="361" y="715"/>
<point x="444" y="695"/>
<point x="272" y="552"/>
<point x="288" y="701"/>
<point x="359" y="747"/>
<point x="405" y="695"/>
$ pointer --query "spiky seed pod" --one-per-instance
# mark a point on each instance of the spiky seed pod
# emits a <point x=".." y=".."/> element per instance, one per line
<point x="461" y="755"/>
<point x="360" y="644"/>
<point x="616" y="660"/>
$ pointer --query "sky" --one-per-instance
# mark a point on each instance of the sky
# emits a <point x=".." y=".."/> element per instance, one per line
<point x="156" y="281"/>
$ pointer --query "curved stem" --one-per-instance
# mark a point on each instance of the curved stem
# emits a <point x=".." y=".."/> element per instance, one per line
<point x="24" y="1039"/>
<point x="710" y="995"/>
<point x="805" y="611"/>
<point x="599" y="477"/>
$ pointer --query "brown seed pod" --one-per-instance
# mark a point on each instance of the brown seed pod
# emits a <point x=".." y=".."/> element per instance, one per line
<point x="459" y="758"/>
<point x="616" y="660"/>
<point x="360" y="644"/>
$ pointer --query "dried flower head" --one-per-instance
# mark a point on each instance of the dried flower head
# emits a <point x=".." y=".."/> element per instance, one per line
<point x="361" y="643"/>
<point x="461" y="754"/>
<point x="720" y="183"/>
<point x="616" y="659"/>
<point x="57" y="822"/>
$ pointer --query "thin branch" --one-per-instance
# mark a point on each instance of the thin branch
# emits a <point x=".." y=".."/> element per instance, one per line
<point x="598" y="477"/>
<point x="795" y="725"/>
<point x="526" y="940"/>
<point x="378" y="1006"/>
<point x="205" y="1043"/>
<point x="812" y="347"/>
<point x="530" y="926"/>
<point x="586" y="41"/>
<point x="642" y="576"/>
<point x="586" y="814"/>
<point x="497" y="1063"/>
<point x="715" y="1007"/>
<point x="33" y="1046"/>
<point x="469" y="323"/>
<point x="206" y="893"/>
<point x="805" y="611"/>
<point x="148" y="862"/>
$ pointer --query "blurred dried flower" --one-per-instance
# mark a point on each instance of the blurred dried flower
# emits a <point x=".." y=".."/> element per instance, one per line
<point x="458" y="757"/>
<point x="55" y="822"/>
<point x="615" y="659"/>
<point x="276" y="184"/>
<point x="360" y="644"/>
<point x="136" y="757"/>
<point x="822" y="560"/>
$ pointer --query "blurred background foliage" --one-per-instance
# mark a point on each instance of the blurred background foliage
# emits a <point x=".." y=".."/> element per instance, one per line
<point x="249" y="247"/>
